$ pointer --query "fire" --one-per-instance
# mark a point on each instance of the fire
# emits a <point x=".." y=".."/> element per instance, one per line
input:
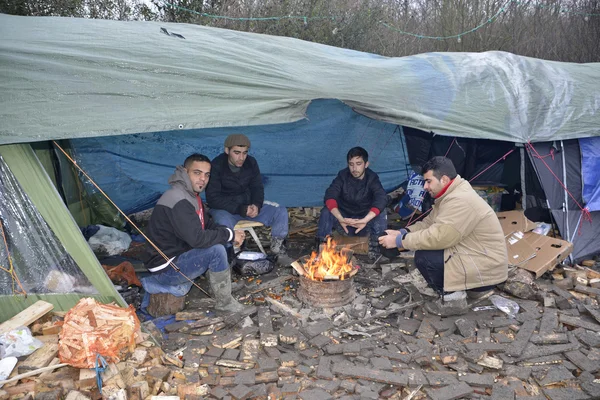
<point x="329" y="264"/>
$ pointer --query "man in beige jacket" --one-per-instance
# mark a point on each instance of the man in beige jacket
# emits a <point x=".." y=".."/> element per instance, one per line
<point x="459" y="246"/>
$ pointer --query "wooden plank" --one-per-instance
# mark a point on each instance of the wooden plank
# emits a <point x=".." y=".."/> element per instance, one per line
<point x="27" y="316"/>
<point x="40" y="358"/>
<point x="33" y="373"/>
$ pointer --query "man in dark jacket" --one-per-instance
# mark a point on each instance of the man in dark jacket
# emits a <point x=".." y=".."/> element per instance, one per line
<point x="355" y="202"/>
<point x="236" y="193"/>
<point x="189" y="238"/>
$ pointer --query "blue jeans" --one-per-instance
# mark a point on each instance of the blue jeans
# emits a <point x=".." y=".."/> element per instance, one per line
<point x="271" y="214"/>
<point x="192" y="263"/>
<point x="375" y="227"/>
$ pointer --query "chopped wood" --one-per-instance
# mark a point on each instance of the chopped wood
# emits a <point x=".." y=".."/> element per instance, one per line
<point x="283" y="307"/>
<point x="115" y="333"/>
<point x="165" y="304"/>
<point x="235" y="364"/>
<point x="271" y="284"/>
<point x="27" y="316"/>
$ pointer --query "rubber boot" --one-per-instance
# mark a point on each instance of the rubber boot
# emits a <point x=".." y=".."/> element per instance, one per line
<point x="220" y="283"/>
<point x="278" y="249"/>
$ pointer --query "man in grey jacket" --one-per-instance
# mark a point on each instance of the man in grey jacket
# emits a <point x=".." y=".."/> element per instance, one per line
<point x="188" y="236"/>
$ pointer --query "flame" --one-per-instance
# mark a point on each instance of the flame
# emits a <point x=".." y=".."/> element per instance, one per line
<point x="330" y="263"/>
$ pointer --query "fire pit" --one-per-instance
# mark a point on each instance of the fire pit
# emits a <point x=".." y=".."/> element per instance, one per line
<point x="326" y="278"/>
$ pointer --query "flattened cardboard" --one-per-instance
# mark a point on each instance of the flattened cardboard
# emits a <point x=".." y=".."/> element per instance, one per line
<point x="515" y="221"/>
<point x="519" y="250"/>
<point x="549" y="252"/>
<point x="536" y="253"/>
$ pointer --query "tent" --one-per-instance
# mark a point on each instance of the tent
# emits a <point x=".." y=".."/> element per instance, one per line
<point x="134" y="98"/>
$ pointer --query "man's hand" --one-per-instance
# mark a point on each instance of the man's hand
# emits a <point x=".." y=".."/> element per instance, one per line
<point x="238" y="238"/>
<point x="359" y="224"/>
<point x="344" y="224"/>
<point x="252" y="211"/>
<point x="389" y="241"/>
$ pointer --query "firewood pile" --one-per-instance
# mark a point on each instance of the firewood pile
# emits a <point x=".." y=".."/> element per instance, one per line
<point x="91" y="328"/>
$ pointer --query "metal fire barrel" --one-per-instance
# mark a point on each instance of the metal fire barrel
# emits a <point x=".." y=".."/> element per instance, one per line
<point x="326" y="294"/>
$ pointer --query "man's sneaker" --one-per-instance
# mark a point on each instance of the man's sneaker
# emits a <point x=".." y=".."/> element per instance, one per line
<point x="453" y="304"/>
<point x="474" y="295"/>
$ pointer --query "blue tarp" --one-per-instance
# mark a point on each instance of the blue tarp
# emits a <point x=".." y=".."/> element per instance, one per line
<point x="297" y="160"/>
<point x="590" y="171"/>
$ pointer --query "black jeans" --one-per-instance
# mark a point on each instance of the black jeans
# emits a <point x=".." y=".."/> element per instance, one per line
<point x="430" y="264"/>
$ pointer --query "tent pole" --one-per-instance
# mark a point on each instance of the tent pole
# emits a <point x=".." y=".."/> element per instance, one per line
<point x="566" y="203"/>
<point x="523" y="189"/>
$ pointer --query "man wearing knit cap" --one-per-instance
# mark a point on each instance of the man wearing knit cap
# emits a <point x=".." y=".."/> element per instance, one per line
<point x="236" y="193"/>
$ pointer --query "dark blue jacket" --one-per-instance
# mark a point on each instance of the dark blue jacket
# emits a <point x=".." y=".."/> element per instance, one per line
<point x="355" y="197"/>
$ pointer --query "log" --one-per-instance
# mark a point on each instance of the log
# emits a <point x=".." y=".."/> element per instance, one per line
<point x="165" y="304"/>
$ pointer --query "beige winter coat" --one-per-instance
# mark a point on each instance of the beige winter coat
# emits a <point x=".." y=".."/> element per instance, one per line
<point x="463" y="225"/>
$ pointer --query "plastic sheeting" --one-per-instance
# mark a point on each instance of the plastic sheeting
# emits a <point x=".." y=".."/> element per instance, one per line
<point x="40" y="261"/>
<point x="590" y="171"/>
<point x="71" y="77"/>
<point x="298" y="161"/>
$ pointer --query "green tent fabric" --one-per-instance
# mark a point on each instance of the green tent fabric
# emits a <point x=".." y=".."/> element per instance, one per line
<point x="69" y="78"/>
<point x="24" y="164"/>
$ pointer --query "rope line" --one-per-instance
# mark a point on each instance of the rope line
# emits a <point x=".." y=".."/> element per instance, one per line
<point x="171" y="263"/>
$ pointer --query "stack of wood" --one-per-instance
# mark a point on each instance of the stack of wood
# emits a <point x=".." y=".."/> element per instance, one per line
<point x="581" y="280"/>
<point x="91" y="328"/>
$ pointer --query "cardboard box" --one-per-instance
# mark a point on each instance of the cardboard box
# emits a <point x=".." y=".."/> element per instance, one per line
<point x="528" y="250"/>
<point x="515" y="221"/>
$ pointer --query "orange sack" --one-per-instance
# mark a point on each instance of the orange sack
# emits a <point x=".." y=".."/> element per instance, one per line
<point x="91" y="328"/>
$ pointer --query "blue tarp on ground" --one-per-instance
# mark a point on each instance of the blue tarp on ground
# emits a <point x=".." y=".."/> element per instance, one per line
<point x="590" y="171"/>
<point x="297" y="160"/>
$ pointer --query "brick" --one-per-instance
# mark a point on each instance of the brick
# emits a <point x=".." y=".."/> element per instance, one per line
<point x="593" y="312"/>
<point x="268" y="338"/>
<point x="549" y="338"/>
<point x="502" y="392"/>
<point x="326" y="385"/>
<point x="266" y="364"/>
<point x="214" y="352"/>
<point x="290" y="389"/>
<point x="245" y="378"/>
<point x="426" y="330"/>
<point x="482" y="380"/>
<point x="408" y="326"/>
<point x="272" y="352"/>
<point x="556" y="374"/>
<point x="352" y="348"/>
<point x="522" y="338"/>
<point x="533" y="351"/>
<point x="521" y="373"/>
<point x="315" y="328"/>
<point x="579" y="323"/>
<point x="289" y="359"/>
<point x="415" y="378"/>
<point x="489" y="347"/>
<point x="314" y="394"/>
<point x="302" y="370"/>
<point x="218" y="392"/>
<point x="230" y="354"/>
<point x="324" y="369"/>
<point x="588" y="338"/>
<point x="391" y="378"/>
<point x="438" y="378"/>
<point x="266" y="377"/>
<point x="320" y="341"/>
<point x="565" y="394"/>
<point x="348" y="385"/>
<point x="333" y="349"/>
<point x="450" y="392"/>
<point x="582" y="362"/>
<point x="381" y="363"/>
<point x="240" y="392"/>
<point x="484" y="335"/>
